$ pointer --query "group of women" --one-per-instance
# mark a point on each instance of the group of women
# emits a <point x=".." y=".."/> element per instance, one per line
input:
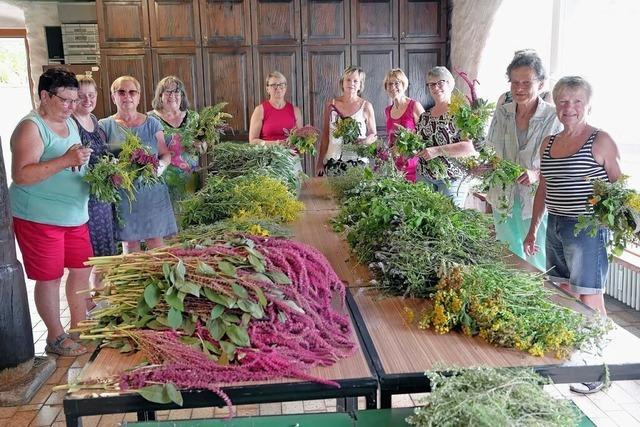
<point x="556" y="146"/>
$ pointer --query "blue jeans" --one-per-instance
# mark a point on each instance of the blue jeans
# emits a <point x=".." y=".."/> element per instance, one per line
<point x="580" y="260"/>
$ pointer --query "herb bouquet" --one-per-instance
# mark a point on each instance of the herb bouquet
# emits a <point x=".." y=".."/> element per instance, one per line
<point x="616" y="207"/>
<point x="303" y="139"/>
<point x="410" y="144"/>
<point x="470" y="113"/>
<point x="213" y="123"/>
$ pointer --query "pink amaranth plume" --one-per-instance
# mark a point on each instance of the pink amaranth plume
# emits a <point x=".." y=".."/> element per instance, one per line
<point x="471" y="83"/>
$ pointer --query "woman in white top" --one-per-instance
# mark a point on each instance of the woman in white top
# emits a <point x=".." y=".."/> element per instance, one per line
<point x="349" y="104"/>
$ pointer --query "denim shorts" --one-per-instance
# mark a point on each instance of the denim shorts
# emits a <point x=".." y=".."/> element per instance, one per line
<point x="580" y="260"/>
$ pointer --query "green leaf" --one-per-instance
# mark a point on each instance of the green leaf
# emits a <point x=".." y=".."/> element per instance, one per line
<point x="256" y="263"/>
<point x="188" y="326"/>
<point x="238" y="335"/>
<point x="279" y="277"/>
<point x="174" y="298"/>
<point x="174" y="394"/>
<point x="219" y="298"/>
<point x="216" y="328"/>
<point x="155" y="324"/>
<point x="228" y="348"/>
<point x="294" y="306"/>
<point x="142" y="308"/>
<point x="239" y="290"/>
<point x="262" y="300"/>
<point x="155" y="393"/>
<point x="244" y="305"/>
<point x="246" y="318"/>
<point x="282" y="316"/>
<point x="227" y="268"/>
<point x="174" y="318"/>
<point x="126" y="348"/>
<point x="181" y="271"/>
<point x="166" y="270"/>
<point x="189" y="288"/>
<point x="212" y="348"/>
<point x="216" y="311"/>
<point x="151" y="295"/>
<point x="259" y="277"/>
<point x="143" y="320"/>
<point x="206" y="269"/>
<point x="190" y="341"/>
<point x="230" y="318"/>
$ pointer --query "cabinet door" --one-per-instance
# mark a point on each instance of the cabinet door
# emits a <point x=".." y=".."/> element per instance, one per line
<point x="123" y="23"/>
<point x="225" y="23"/>
<point x="374" y="21"/>
<point x="127" y="62"/>
<point x="184" y="63"/>
<point x="174" y="23"/>
<point x="416" y="61"/>
<point x="423" y="21"/>
<point x="275" y="22"/>
<point x="287" y="60"/>
<point x="376" y="61"/>
<point x="228" y="76"/>
<point x="325" y="21"/>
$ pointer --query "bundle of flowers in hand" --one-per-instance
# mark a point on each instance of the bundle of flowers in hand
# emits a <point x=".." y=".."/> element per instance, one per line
<point x="347" y="129"/>
<point x="107" y="177"/>
<point x="470" y="113"/>
<point x="139" y="160"/>
<point x="616" y="207"/>
<point x="408" y="143"/>
<point x="213" y="124"/>
<point x="303" y="140"/>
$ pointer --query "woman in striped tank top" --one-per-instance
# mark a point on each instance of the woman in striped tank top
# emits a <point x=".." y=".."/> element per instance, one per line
<point x="570" y="161"/>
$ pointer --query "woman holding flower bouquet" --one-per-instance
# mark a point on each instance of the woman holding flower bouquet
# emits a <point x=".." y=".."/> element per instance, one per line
<point x="149" y="217"/>
<point x="171" y="108"/>
<point x="436" y="126"/>
<point x="404" y="112"/>
<point x="333" y="155"/>
<point x="516" y="133"/>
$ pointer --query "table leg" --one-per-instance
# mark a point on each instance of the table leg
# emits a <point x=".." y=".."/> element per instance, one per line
<point x="346" y="404"/>
<point x="385" y="400"/>
<point x="73" y="421"/>
<point x="372" y="400"/>
<point x="146" y="415"/>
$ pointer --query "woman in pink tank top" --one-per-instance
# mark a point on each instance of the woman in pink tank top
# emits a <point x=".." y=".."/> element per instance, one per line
<point x="271" y="118"/>
<point x="403" y="111"/>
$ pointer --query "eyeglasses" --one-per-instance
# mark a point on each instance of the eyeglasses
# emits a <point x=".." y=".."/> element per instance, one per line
<point x="439" y="83"/>
<point x="87" y="96"/>
<point x="394" y="83"/>
<point x="66" y="101"/>
<point x="132" y="92"/>
<point x="277" y="85"/>
<point x="525" y="84"/>
<point x="174" y="92"/>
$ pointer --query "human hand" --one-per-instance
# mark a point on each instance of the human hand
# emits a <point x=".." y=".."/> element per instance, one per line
<point x="162" y="166"/>
<point x="428" y="153"/>
<point x="76" y="156"/>
<point x="528" y="177"/>
<point x="529" y="244"/>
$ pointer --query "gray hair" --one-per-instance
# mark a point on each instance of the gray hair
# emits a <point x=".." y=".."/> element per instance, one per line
<point x="527" y="58"/>
<point x="442" y="73"/>
<point x="163" y="85"/>
<point x="572" y="83"/>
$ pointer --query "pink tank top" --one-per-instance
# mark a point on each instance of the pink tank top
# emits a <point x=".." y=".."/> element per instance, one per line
<point x="407" y="165"/>
<point x="275" y="121"/>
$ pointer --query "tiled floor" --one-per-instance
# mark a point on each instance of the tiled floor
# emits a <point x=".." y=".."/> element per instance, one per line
<point x="617" y="406"/>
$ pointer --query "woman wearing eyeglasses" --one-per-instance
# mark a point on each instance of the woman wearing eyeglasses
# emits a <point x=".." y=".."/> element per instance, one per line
<point x="171" y="108"/>
<point x="149" y="217"/>
<point x="275" y="115"/>
<point x="437" y="125"/>
<point x="403" y="111"/>
<point x="516" y="132"/>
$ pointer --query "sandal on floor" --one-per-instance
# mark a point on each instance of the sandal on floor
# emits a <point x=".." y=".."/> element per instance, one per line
<point x="72" y="350"/>
<point x="586" y="388"/>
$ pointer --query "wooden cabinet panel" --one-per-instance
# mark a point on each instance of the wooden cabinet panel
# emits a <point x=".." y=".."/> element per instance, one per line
<point x="129" y="62"/>
<point x="228" y="76"/>
<point x="376" y="61"/>
<point x="225" y="22"/>
<point x="123" y="23"/>
<point x="275" y="22"/>
<point x="184" y="63"/>
<point x="374" y="21"/>
<point x="416" y="61"/>
<point x="423" y="21"/>
<point x="325" y="21"/>
<point x="287" y="60"/>
<point x="174" y="23"/>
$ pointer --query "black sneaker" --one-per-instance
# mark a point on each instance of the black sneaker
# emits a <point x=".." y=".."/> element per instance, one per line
<point x="586" y="388"/>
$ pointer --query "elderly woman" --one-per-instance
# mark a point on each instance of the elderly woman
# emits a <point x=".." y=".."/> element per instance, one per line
<point x="516" y="133"/>
<point x="275" y="115"/>
<point x="403" y="111"/>
<point x="436" y="125"/>
<point x="171" y="108"/>
<point x="331" y="154"/>
<point x="49" y="205"/>
<point x="149" y="217"/>
<point x="570" y="161"/>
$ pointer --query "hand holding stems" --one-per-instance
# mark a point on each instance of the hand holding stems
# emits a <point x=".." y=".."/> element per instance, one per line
<point x="431" y="152"/>
<point x="529" y="177"/>
<point x="76" y="156"/>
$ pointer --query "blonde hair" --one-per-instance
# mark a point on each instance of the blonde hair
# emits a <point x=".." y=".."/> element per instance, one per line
<point x="350" y="70"/>
<point x="83" y="79"/>
<point x="398" y="74"/>
<point x="118" y="82"/>
<point x="274" y="75"/>
<point x="572" y="83"/>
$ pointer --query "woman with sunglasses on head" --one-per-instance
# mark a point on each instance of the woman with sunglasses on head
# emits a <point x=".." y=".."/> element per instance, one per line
<point x="404" y="112"/>
<point x="149" y="217"/>
<point x="436" y="125"/>
<point x="171" y="108"/>
<point x="275" y="115"/>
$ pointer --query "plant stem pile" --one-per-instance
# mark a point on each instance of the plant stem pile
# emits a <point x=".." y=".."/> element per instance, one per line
<point x="616" y="207"/>
<point x="242" y="309"/>
<point x="491" y="397"/>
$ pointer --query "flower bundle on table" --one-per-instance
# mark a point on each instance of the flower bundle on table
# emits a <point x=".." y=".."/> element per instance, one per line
<point x="617" y="208"/>
<point x="303" y="139"/>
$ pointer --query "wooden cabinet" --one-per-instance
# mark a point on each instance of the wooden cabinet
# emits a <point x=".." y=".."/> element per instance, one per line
<point x="228" y="76"/>
<point x="123" y="23"/>
<point x="225" y="22"/>
<point x="423" y="21"/>
<point x="374" y="21"/>
<point x="184" y="63"/>
<point x="174" y="23"/>
<point x="416" y="61"/>
<point x="325" y="22"/>
<point x="275" y="22"/>
<point x="127" y="62"/>
<point x="287" y="60"/>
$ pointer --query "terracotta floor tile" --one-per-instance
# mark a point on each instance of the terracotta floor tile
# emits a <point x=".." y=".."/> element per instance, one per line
<point x="56" y="397"/>
<point x="46" y="416"/>
<point x="58" y="376"/>
<point x="22" y="418"/>
<point x="7" y="412"/>
<point x="41" y="395"/>
<point x="30" y="407"/>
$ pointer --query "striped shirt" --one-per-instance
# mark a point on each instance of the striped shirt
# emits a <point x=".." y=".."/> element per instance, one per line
<point x="569" y="179"/>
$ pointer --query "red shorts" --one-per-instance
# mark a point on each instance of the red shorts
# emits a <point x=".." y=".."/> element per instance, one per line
<point x="48" y="249"/>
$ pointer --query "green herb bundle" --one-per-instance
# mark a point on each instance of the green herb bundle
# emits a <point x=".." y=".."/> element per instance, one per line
<point x="106" y="177"/>
<point x="303" y="140"/>
<point x="347" y="129"/>
<point x="407" y="142"/>
<point x="212" y="124"/>
<point x="491" y="397"/>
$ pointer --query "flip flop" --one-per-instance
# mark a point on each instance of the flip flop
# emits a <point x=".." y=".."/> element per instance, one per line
<point x="586" y="388"/>
<point x="72" y="350"/>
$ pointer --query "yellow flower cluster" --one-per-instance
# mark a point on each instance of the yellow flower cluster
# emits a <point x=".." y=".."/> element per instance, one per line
<point x="268" y="198"/>
<point x="633" y="202"/>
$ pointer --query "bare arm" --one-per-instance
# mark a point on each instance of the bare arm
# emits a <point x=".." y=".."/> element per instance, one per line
<point x="605" y="152"/>
<point x="457" y="149"/>
<point x="539" y="207"/>
<point x="370" y="118"/>
<point x="27" y="148"/>
<point x="163" y="150"/>
<point x="255" y="125"/>
<point x="418" y="109"/>
<point x="324" y="138"/>
<point x="298" y="115"/>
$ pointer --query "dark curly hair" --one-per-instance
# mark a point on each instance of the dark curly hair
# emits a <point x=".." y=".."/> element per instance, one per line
<point x="55" y="78"/>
